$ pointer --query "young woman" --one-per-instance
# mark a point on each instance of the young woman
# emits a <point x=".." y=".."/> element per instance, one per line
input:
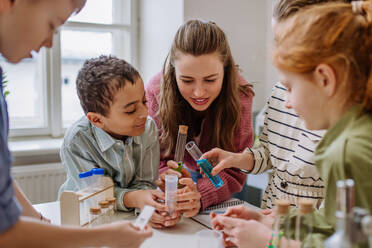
<point x="200" y="87"/>
<point x="323" y="56"/>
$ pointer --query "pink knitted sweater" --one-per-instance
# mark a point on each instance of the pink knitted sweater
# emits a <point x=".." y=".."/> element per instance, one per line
<point x="233" y="179"/>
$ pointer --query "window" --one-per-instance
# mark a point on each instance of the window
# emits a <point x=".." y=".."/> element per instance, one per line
<point x="43" y="98"/>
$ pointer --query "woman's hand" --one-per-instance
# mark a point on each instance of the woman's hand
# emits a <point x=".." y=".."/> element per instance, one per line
<point x="171" y="166"/>
<point x="188" y="198"/>
<point x="240" y="232"/>
<point x="226" y="160"/>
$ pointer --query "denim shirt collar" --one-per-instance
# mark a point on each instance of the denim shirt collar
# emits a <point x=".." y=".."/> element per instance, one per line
<point x="106" y="141"/>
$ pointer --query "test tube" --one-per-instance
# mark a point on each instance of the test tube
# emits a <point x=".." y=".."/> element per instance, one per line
<point x="171" y="182"/>
<point x="204" y="164"/>
<point x="194" y="150"/>
<point x="180" y="146"/>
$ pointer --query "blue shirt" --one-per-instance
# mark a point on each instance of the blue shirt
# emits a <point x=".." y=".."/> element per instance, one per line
<point x="10" y="210"/>
<point x="132" y="164"/>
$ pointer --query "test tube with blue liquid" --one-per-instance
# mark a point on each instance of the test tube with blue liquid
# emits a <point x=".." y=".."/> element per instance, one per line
<point x="204" y="164"/>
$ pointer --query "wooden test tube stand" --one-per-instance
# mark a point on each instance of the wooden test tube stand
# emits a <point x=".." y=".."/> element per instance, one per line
<point x="70" y="201"/>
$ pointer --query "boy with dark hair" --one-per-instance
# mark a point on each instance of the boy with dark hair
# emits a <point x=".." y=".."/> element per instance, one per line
<point x="116" y="134"/>
<point x="27" y="25"/>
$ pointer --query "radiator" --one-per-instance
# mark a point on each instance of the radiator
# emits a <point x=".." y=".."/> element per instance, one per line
<point x="40" y="183"/>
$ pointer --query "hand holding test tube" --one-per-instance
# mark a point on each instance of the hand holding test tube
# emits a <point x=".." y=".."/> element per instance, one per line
<point x="204" y="164"/>
<point x="171" y="182"/>
<point x="144" y="217"/>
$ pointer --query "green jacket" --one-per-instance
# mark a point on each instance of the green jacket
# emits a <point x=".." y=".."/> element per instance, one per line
<point x="344" y="152"/>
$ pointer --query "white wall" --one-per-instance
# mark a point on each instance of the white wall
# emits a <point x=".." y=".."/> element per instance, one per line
<point x="246" y="24"/>
<point x="158" y="23"/>
<point x="271" y="74"/>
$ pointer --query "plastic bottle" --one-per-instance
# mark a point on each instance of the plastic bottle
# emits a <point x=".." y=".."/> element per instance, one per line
<point x="98" y="174"/>
<point x="85" y="180"/>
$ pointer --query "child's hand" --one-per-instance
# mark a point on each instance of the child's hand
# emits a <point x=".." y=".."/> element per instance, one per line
<point x="123" y="234"/>
<point x="242" y="212"/>
<point x="160" y="218"/>
<point x="229" y="159"/>
<point x="245" y="213"/>
<point x="225" y="239"/>
<point x="236" y="231"/>
<point x="172" y="165"/>
<point x="188" y="198"/>
<point x="140" y="198"/>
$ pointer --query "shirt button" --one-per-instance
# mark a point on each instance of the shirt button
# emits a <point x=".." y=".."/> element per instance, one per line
<point x="284" y="184"/>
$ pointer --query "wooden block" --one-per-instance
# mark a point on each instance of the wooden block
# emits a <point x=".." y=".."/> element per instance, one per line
<point x="71" y="202"/>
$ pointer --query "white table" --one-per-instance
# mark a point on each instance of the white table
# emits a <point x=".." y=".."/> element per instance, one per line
<point x="179" y="236"/>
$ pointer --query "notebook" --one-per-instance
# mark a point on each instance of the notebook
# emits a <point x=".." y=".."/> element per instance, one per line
<point x="204" y="219"/>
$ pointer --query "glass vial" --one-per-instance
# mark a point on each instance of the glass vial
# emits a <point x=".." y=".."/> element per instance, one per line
<point x="94" y="216"/>
<point x="304" y="222"/>
<point x="344" y="214"/>
<point x="111" y="208"/>
<point x="281" y="224"/>
<point x="104" y="211"/>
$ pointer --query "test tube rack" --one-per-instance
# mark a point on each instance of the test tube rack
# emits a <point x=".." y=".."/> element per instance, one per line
<point x="71" y="202"/>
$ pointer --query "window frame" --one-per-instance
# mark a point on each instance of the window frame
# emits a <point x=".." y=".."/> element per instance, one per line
<point x="51" y="65"/>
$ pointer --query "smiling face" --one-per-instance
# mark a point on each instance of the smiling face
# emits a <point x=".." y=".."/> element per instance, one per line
<point x="199" y="78"/>
<point x="29" y="25"/>
<point x="127" y="114"/>
<point x="306" y="98"/>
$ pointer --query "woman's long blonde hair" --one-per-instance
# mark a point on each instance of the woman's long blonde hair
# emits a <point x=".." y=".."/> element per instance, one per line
<point x="198" y="37"/>
<point x="334" y="34"/>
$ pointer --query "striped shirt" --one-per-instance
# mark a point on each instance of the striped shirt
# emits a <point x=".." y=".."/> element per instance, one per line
<point x="287" y="147"/>
<point x="132" y="164"/>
